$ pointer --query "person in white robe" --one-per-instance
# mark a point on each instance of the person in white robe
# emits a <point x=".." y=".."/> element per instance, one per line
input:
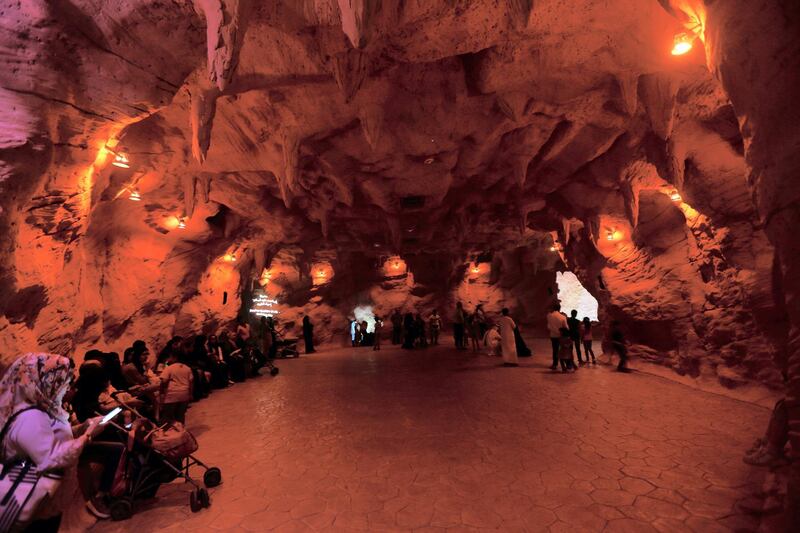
<point x="507" y="341"/>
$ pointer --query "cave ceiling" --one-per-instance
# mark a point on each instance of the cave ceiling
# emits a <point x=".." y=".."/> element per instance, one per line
<point x="390" y="127"/>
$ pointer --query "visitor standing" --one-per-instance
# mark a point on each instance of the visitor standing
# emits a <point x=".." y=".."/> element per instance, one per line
<point x="308" y="334"/>
<point x="376" y="343"/>
<point x="575" y="334"/>
<point x="586" y="338"/>
<point x="266" y="333"/>
<point x="419" y="331"/>
<point x="481" y="316"/>
<point x="507" y="341"/>
<point x="474" y="331"/>
<point x="555" y="321"/>
<point x="435" y="325"/>
<point x="408" y="332"/>
<point x="242" y="333"/>
<point x="353" y="331"/>
<point x="618" y="345"/>
<point x="176" y="390"/>
<point x="397" y="327"/>
<point x="459" y="320"/>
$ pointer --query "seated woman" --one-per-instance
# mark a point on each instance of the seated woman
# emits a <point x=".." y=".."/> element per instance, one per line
<point x="220" y="375"/>
<point x="106" y="449"/>
<point x="233" y="356"/>
<point x="36" y="426"/>
<point x="492" y="340"/>
<point x="176" y="390"/>
<point x="138" y="375"/>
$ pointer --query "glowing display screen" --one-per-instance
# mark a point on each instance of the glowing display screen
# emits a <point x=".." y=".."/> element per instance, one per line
<point x="263" y="304"/>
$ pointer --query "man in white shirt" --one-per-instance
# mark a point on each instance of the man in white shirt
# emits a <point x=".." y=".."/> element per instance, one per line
<point x="555" y="321"/>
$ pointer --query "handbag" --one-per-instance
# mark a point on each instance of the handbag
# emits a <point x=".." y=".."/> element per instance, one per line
<point x="172" y="441"/>
<point x="22" y="487"/>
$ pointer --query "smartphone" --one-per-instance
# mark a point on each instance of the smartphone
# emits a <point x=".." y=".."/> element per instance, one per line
<point x="110" y="416"/>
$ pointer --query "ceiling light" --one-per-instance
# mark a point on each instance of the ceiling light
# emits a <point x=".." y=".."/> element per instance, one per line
<point x="135" y="196"/>
<point x="675" y="196"/>
<point x="121" y="160"/>
<point x="682" y="44"/>
<point x="230" y="258"/>
<point x="181" y="224"/>
<point x="613" y="235"/>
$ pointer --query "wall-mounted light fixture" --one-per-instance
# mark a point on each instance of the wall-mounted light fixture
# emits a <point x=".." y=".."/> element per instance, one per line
<point x="613" y="235"/>
<point x="135" y="196"/>
<point x="675" y="196"/>
<point x="181" y="223"/>
<point x="121" y="160"/>
<point x="682" y="43"/>
<point x="230" y="258"/>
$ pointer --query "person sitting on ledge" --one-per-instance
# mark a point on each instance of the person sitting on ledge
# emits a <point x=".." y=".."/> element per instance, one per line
<point x="138" y="374"/>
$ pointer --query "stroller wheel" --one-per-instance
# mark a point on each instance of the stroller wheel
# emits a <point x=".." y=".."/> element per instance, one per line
<point x="121" y="509"/>
<point x="212" y="477"/>
<point x="202" y="495"/>
<point x="274" y="371"/>
<point x="194" y="501"/>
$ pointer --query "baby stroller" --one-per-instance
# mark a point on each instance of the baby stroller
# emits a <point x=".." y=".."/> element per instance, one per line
<point x="155" y="455"/>
<point x="285" y="347"/>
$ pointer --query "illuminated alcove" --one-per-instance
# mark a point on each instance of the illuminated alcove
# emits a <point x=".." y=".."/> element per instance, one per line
<point x="574" y="296"/>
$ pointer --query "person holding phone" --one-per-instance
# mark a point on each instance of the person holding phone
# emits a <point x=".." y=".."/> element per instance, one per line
<point x="36" y="426"/>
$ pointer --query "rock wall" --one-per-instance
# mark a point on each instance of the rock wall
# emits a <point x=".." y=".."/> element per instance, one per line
<point x="158" y="157"/>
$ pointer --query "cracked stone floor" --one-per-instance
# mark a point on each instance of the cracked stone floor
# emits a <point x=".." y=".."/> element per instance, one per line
<point x="351" y="439"/>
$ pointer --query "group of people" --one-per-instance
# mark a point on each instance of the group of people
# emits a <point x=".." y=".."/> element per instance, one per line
<point x="569" y="334"/>
<point x="50" y="411"/>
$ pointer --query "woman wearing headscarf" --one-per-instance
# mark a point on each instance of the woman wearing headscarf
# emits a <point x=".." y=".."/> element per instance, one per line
<point x="36" y="425"/>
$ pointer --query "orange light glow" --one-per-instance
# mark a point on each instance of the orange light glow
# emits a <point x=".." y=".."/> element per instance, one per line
<point x="121" y="160"/>
<point x="675" y="196"/>
<point x="181" y="224"/>
<point x="321" y="273"/>
<point x="613" y="235"/>
<point x="135" y="196"/>
<point x="396" y="265"/>
<point x="476" y="269"/>
<point x="230" y="258"/>
<point x="172" y="222"/>
<point x="682" y="44"/>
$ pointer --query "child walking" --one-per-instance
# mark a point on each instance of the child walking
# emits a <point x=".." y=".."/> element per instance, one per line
<point x="565" y="351"/>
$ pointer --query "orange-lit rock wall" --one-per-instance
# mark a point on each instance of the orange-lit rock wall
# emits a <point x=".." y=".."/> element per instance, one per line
<point x="299" y="137"/>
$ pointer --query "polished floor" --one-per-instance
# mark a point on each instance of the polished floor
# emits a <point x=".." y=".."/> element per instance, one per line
<point x="352" y="439"/>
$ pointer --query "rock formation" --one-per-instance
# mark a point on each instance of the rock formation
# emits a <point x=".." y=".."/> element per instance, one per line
<point x="158" y="158"/>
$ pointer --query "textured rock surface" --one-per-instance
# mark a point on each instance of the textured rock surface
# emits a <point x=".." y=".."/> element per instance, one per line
<point x="289" y="136"/>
